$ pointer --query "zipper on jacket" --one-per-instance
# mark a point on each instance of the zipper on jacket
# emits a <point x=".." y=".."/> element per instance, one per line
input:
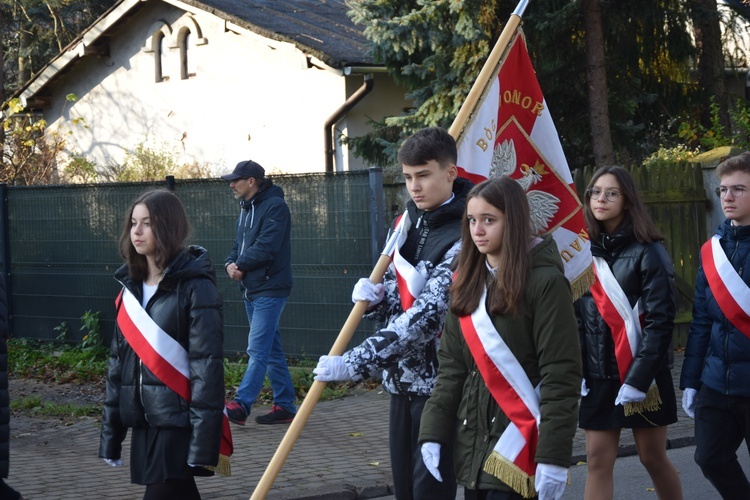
<point x="473" y="375"/>
<point x="140" y="389"/>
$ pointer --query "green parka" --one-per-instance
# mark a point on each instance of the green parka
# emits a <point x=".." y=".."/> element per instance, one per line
<point x="544" y="338"/>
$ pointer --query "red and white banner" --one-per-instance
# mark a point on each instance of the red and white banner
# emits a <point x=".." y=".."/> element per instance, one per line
<point x="731" y="293"/>
<point x="511" y="133"/>
<point x="410" y="282"/>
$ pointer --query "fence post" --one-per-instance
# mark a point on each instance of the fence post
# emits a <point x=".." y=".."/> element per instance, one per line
<point x="5" y="252"/>
<point x="377" y="212"/>
<point x="170" y="182"/>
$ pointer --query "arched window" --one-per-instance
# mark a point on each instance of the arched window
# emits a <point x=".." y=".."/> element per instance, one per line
<point x="157" y="44"/>
<point x="188" y="37"/>
<point x="186" y="71"/>
<point x="161" y="48"/>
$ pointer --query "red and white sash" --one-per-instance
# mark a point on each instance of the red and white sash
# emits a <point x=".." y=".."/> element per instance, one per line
<point x="627" y="331"/>
<point x="623" y="320"/>
<point x="730" y="291"/>
<point x="166" y="359"/>
<point x="512" y="459"/>
<point x="410" y="282"/>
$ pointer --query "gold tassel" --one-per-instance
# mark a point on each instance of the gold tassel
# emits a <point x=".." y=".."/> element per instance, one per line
<point x="651" y="403"/>
<point x="509" y="473"/>
<point x="581" y="284"/>
<point x="224" y="467"/>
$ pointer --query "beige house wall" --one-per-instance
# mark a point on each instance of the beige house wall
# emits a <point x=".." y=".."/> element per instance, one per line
<point x="250" y="97"/>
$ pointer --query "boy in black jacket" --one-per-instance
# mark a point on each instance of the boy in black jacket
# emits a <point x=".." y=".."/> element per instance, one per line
<point x="412" y="302"/>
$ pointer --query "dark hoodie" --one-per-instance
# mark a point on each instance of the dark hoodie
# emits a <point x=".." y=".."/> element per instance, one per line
<point x="188" y="307"/>
<point x="262" y="246"/>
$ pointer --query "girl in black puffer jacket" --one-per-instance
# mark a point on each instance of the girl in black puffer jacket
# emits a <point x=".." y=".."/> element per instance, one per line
<point x="166" y="373"/>
<point x="625" y="322"/>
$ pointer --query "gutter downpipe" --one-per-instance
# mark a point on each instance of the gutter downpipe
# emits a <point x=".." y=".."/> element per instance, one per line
<point x="352" y="101"/>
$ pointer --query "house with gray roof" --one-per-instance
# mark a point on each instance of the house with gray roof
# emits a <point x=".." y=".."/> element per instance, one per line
<point x="213" y="82"/>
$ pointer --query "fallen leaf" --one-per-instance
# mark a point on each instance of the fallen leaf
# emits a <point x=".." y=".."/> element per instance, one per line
<point x="356" y="434"/>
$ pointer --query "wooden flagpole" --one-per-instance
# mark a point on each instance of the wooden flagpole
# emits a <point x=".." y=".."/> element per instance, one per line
<point x="355" y="316"/>
<point x="313" y="395"/>
<point x="488" y="70"/>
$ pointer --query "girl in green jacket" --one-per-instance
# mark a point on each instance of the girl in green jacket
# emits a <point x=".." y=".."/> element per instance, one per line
<point x="510" y="371"/>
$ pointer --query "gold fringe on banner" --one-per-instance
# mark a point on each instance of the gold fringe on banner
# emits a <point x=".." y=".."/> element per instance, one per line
<point x="224" y="467"/>
<point x="651" y="403"/>
<point x="509" y="473"/>
<point x="582" y="283"/>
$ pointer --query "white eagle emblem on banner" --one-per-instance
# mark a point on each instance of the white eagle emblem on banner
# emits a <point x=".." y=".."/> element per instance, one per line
<point x="543" y="205"/>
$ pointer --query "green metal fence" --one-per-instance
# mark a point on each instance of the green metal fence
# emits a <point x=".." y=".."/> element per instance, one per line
<point x="59" y="247"/>
<point x="60" y="252"/>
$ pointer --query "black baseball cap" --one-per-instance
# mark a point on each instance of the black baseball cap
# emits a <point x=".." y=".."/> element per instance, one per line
<point x="245" y="169"/>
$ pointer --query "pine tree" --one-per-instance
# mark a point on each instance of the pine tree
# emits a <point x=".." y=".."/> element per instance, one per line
<point x="436" y="49"/>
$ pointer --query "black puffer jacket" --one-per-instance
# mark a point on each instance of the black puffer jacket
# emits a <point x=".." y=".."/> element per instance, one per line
<point x="4" y="396"/>
<point x="188" y="306"/>
<point x="645" y="272"/>
<point x="717" y="353"/>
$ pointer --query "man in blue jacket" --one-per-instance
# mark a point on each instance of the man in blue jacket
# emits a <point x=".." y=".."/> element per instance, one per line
<point x="260" y="262"/>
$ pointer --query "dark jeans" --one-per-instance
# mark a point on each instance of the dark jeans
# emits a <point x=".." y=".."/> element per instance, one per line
<point x="411" y="479"/>
<point x="721" y="423"/>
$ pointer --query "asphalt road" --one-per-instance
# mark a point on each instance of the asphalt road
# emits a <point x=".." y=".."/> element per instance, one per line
<point x="632" y="481"/>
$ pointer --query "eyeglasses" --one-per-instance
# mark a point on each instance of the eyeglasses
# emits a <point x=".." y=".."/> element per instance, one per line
<point x="609" y="195"/>
<point x="737" y="191"/>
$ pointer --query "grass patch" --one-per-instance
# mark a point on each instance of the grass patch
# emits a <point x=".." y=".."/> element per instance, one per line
<point x="60" y="362"/>
<point x="64" y="362"/>
<point x="35" y="406"/>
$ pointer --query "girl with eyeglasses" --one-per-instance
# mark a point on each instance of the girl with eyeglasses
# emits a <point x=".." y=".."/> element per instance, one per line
<point x="625" y="324"/>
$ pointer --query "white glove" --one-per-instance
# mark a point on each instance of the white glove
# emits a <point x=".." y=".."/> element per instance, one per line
<point x="688" y="401"/>
<point x="431" y="458"/>
<point x="629" y="394"/>
<point x="331" y="368"/>
<point x="369" y="291"/>
<point x="584" y="389"/>
<point x="550" y="481"/>
<point x="116" y="462"/>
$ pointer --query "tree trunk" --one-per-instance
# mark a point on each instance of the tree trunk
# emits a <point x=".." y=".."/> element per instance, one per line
<point x="596" y="75"/>
<point x="707" y="31"/>
<point x="24" y="66"/>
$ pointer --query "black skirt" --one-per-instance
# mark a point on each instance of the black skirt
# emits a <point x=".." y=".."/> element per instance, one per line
<point x="598" y="411"/>
<point x="160" y="454"/>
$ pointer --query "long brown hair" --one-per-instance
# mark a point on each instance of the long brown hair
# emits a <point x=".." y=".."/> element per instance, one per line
<point x="170" y="226"/>
<point x="505" y="296"/>
<point x="634" y="210"/>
